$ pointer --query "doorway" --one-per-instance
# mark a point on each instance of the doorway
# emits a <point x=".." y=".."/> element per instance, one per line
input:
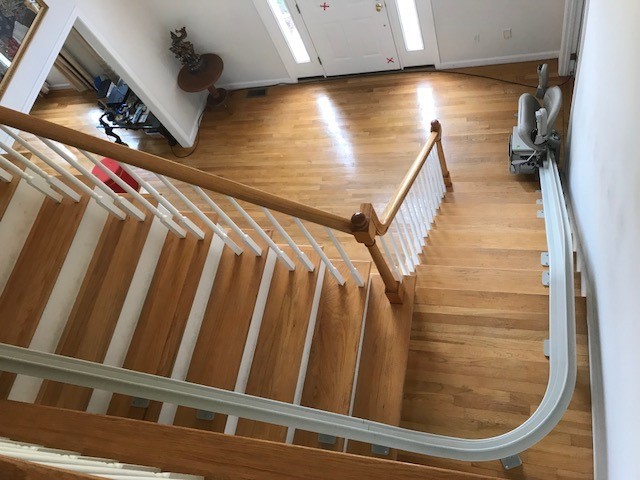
<point x="342" y="37"/>
<point x="351" y="36"/>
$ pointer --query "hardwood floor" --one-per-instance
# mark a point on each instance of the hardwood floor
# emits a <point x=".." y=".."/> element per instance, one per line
<point x="476" y="366"/>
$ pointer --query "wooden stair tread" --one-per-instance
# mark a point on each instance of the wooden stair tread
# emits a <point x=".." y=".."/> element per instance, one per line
<point x="508" y="210"/>
<point x="34" y="275"/>
<point x="497" y="186"/>
<point x="334" y="349"/>
<point x="527" y="240"/>
<point x="500" y="197"/>
<point x="461" y="221"/>
<point x="95" y="313"/>
<point x="485" y="279"/>
<point x="159" y="330"/>
<point x="482" y="257"/>
<point x="223" y="333"/>
<point x="275" y="368"/>
<point x="383" y="363"/>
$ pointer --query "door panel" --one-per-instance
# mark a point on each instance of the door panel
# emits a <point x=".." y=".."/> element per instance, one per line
<point x="350" y="36"/>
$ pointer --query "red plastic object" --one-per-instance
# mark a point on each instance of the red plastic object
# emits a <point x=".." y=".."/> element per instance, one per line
<point x="119" y="171"/>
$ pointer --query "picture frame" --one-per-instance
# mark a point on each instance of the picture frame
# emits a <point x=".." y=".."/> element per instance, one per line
<point x="19" y="21"/>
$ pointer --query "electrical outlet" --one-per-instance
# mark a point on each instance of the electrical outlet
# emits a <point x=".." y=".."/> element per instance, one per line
<point x="476" y="38"/>
<point x="506" y="33"/>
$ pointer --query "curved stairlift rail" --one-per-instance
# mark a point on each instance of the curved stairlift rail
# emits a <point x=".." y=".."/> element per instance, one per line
<point x="562" y="375"/>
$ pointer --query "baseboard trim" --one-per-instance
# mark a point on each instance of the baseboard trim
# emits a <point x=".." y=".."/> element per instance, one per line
<point x="480" y="62"/>
<point x="256" y="83"/>
<point x="596" y="381"/>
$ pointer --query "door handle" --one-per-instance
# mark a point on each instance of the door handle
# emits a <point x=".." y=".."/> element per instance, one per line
<point x="378" y="6"/>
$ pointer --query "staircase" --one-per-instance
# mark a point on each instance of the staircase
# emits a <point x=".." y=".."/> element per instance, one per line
<point x="134" y="281"/>
<point x="129" y="293"/>
<point x="225" y="301"/>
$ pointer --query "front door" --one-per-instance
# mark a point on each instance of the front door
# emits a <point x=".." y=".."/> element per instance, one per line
<point x="350" y="36"/>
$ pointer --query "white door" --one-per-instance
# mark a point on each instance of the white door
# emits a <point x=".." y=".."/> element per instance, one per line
<point x="351" y="36"/>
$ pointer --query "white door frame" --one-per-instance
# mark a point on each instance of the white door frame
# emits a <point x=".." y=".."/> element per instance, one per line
<point x="295" y="70"/>
<point x="570" y="35"/>
<point x="430" y="54"/>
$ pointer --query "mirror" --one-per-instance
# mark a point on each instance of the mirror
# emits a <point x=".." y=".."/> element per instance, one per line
<point x="19" y="20"/>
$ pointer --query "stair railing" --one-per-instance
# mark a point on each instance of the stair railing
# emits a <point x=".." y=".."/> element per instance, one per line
<point x="402" y="228"/>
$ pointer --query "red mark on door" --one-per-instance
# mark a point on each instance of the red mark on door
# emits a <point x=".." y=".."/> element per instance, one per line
<point x="324" y="6"/>
<point x="390" y="60"/>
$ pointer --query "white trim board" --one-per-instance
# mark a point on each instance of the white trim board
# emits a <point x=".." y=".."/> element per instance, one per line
<point x="258" y="83"/>
<point x="596" y="381"/>
<point x="480" y="62"/>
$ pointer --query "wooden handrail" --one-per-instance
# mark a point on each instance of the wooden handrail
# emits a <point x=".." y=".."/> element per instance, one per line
<point x="197" y="452"/>
<point x="14" y="469"/>
<point x="153" y="163"/>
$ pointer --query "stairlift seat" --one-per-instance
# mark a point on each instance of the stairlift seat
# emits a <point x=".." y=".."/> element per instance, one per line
<point x="528" y="105"/>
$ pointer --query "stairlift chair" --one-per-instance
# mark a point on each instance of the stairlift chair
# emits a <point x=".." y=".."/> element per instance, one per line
<point x="534" y="138"/>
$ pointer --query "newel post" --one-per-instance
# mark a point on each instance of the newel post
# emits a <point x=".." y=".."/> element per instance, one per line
<point x="364" y="232"/>
<point x="437" y="128"/>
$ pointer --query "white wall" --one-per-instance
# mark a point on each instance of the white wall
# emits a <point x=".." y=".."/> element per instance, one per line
<point x="469" y="32"/>
<point x="57" y="81"/>
<point x="232" y="30"/>
<point x="604" y="186"/>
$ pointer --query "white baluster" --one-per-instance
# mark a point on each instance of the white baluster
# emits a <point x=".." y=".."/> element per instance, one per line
<point x="68" y="176"/>
<point x="422" y="194"/>
<point x="253" y="246"/>
<point x="404" y="243"/>
<point x="201" y="215"/>
<point x="392" y="261"/>
<point x="412" y="240"/>
<point x="414" y="210"/>
<point x="281" y="254"/>
<point x="323" y="256"/>
<point x="441" y="184"/>
<point x="116" y="199"/>
<point x="435" y="191"/>
<point x="50" y="179"/>
<point x="299" y="253"/>
<point x="182" y="220"/>
<point x="394" y="245"/>
<point x="427" y="192"/>
<point x="30" y="179"/>
<point x="354" y="271"/>
<point x="165" y="219"/>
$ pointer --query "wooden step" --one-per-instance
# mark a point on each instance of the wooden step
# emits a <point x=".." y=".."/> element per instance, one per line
<point x="278" y="355"/>
<point x="507" y="210"/>
<point x="334" y="349"/>
<point x="513" y="185"/>
<point x="481" y="257"/>
<point x="221" y="341"/>
<point x="509" y="197"/>
<point x="504" y="239"/>
<point x="383" y="363"/>
<point x="158" y="334"/>
<point x="90" y="325"/>
<point x="481" y="279"/>
<point x="460" y="221"/>
<point x="34" y="274"/>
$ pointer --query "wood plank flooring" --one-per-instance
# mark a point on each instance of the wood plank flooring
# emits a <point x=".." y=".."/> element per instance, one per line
<point x="475" y="366"/>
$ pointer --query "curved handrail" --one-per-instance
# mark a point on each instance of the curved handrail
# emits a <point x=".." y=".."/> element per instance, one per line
<point x="559" y="391"/>
<point x="167" y="168"/>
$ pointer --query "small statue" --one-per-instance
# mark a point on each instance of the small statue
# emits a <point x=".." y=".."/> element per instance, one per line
<point x="183" y="50"/>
